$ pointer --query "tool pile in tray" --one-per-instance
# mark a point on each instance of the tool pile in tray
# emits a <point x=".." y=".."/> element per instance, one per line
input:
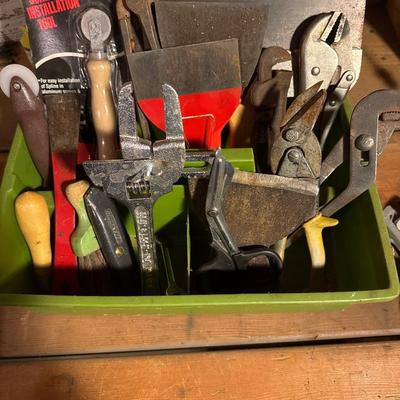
<point x="163" y="87"/>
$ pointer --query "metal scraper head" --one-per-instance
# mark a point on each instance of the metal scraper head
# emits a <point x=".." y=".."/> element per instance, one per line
<point x="259" y="208"/>
<point x="182" y="23"/>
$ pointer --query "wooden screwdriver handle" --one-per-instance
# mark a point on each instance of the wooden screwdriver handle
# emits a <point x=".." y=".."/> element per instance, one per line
<point x="103" y="111"/>
<point x="34" y="221"/>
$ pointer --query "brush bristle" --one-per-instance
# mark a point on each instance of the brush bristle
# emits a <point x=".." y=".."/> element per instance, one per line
<point x="94" y="275"/>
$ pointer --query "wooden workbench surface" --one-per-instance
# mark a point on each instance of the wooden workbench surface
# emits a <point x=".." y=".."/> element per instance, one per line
<point x="328" y="371"/>
<point x="346" y="371"/>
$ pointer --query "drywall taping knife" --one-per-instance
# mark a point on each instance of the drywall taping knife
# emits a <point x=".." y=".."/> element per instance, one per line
<point x="207" y="78"/>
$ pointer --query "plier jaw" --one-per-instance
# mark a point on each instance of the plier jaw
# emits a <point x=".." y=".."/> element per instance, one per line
<point x="327" y="55"/>
<point x="327" y="52"/>
<point x="296" y="153"/>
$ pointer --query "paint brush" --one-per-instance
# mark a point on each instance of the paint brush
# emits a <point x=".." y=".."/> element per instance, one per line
<point x="93" y="269"/>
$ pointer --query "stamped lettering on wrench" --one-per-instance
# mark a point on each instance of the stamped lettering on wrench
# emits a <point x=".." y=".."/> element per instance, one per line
<point x="144" y="236"/>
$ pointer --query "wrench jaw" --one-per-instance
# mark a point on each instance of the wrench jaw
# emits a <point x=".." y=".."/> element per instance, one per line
<point x="374" y="120"/>
<point x="132" y="146"/>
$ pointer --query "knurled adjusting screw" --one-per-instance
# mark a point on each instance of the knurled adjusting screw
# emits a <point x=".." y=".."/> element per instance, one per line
<point x="292" y="135"/>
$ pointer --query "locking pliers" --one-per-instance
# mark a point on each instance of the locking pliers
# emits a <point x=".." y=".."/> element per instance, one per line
<point x="327" y="55"/>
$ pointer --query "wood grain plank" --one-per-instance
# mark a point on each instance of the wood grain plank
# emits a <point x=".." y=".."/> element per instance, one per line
<point x="351" y="371"/>
<point x="388" y="174"/>
<point x="27" y="333"/>
<point x="393" y="9"/>
<point x="381" y="50"/>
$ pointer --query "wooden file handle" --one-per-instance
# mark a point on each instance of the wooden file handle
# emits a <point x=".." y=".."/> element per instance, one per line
<point x="103" y="111"/>
<point x="34" y="221"/>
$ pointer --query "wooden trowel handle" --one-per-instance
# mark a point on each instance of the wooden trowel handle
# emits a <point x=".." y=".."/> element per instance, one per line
<point x="34" y="221"/>
<point x="103" y="111"/>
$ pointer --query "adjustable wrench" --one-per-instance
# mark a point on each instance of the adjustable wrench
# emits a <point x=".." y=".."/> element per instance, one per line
<point x="146" y="172"/>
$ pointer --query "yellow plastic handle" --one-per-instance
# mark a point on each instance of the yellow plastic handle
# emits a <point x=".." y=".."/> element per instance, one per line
<point x="34" y="221"/>
<point x="313" y="229"/>
<point x="103" y="110"/>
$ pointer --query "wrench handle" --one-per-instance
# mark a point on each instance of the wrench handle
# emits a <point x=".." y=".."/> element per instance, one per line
<point x="143" y="218"/>
<point x="103" y="111"/>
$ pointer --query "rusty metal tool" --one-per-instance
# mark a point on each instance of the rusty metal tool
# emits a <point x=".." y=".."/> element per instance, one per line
<point x="296" y="151"/>
<point x="146" y="172"/>
<point x="22" y="86"/>
<point x="286" y="19"/>
<point x="228" y="256"/>
<point x="373" y="122"/>
<point x="131" y="45"/>
<point x="125" y="25"/>
<point x="142" y="9"/>
<point x="96" y="27"/>
<point x="182" y="23"/>
<point x="268" y="95"/>
<point x="327" y="55"/>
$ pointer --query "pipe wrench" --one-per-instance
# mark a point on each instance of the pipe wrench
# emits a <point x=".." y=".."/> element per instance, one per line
<point x="373" y="122"/>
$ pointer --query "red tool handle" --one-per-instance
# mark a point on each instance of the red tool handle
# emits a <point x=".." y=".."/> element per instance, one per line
<point x="204" y="114"/>
<point x="65" y="267"/>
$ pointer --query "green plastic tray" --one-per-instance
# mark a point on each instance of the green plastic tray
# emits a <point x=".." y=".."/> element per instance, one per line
<point x="358" y="250"/>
